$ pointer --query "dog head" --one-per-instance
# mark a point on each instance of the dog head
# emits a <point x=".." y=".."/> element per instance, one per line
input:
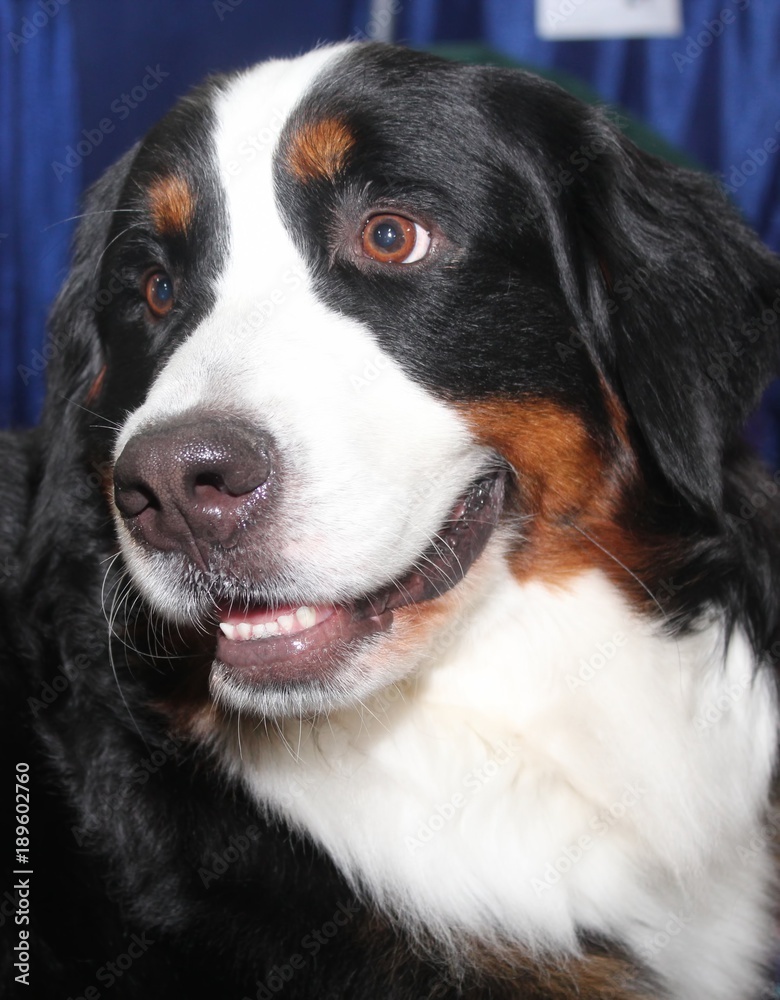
<point x="374" y="329"/>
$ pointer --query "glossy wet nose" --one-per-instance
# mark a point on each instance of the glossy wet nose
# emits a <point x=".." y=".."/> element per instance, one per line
<point x="195" y="482"/>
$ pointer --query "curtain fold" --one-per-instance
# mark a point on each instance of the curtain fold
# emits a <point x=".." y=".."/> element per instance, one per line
<point x="38" y="118"/>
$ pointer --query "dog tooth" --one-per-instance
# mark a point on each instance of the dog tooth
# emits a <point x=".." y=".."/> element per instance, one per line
<point x="306" y="616"/>
<point x="265" y="630"/>
<point x="244" y="630"/>
<point x="229" y="630"/>
<point x="285" y="622"/>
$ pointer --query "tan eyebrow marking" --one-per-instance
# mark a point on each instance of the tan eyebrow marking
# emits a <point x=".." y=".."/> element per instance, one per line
<point x="172" y="205"/>
<point x="320" y="149"/>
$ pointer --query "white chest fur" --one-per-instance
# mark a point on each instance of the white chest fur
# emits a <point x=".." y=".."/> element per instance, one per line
<point x="560" y="765"/>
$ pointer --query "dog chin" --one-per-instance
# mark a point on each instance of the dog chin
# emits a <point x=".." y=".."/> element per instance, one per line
<point x="341" y="683"/>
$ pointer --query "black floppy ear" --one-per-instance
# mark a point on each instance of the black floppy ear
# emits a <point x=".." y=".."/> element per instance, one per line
<point x="73" y="345"/>
<point x="75" y="362"/>
<point x="683" y="303"/>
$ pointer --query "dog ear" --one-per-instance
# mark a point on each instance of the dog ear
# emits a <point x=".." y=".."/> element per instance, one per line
<point x="73" y="347"/>
<point x="675" y="297"/>
<point x="682" y="305"/>
<point x="68" y="482"/>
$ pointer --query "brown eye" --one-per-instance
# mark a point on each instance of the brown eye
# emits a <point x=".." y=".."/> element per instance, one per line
<point x="158" y="292"/>
<point x="392" y="239"/>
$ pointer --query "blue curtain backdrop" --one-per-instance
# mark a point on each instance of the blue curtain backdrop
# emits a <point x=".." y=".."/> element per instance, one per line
<point x="66" y="67"/>
<point x="38" y="116"/>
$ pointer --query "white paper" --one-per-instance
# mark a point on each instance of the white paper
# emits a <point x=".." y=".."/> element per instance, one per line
<point x="580" y="19"/>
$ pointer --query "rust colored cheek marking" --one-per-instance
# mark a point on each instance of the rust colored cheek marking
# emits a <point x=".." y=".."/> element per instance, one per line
<point x="566" y="481"/>
<point x="172" y="205"/>
<point x="319" y="149"/>
<point x="94" y="389"/>
<point x="559" y="465"/>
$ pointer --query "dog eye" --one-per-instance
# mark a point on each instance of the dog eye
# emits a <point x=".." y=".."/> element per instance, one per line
<point x="392" y="239"/>
<point x="158" y="292"/>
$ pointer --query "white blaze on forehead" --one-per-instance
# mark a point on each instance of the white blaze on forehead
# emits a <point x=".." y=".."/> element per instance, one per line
<point x="373" y="462"/>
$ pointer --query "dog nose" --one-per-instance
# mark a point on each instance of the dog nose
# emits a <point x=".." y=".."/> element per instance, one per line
<point x="194" y="483"/>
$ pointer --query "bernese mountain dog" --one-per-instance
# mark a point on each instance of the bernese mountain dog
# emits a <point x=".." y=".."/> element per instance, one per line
<point x="390" y="605"/>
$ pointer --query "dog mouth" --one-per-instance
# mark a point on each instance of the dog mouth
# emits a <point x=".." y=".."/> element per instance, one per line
<point x="296" y="644"/>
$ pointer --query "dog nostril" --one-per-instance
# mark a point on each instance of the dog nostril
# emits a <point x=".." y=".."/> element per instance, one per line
<point x="235" y="481"/>
<point x="132" y="500"/>
<point x="212" y="480"/>
<point x="196" y="483"/>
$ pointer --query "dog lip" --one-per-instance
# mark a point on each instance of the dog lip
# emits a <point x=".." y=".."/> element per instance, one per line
<point x="303" y="653"/>
<point x="314" y="653"/>
<point x="454" y="549"/>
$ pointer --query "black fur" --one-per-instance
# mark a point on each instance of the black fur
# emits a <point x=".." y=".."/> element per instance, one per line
<point x="553" y="274"/>
<point x="570" y="253"/>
